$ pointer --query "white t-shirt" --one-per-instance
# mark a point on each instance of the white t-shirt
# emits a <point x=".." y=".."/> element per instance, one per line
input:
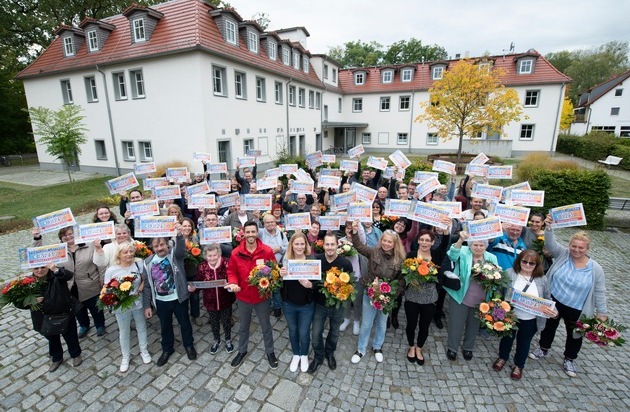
<point x="519" y="284"/>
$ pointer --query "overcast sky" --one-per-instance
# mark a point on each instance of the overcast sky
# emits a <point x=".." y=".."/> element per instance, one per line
<point x="475" y="26"/>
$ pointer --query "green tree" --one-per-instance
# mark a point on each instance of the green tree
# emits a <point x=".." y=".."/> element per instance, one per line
<point x="468" y="99"/>
<point x="413" y="51"/>
<point x="61" y="131"/>
<point x="561" y="60"/>
<point x="357" y="54"/>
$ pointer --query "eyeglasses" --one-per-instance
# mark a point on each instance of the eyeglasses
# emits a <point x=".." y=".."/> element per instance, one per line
<point x="527" y="262"/>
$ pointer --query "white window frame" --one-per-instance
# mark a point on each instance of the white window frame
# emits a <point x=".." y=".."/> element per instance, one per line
<point x="614" y="111"/>
<point x="248" y="144"/>
<point x="311" y="99"/>
<point x="286" y="56"/>
<point x="230" y="32"/>
<point x="240" y="85"/>
<point x="273" y="49"/>
<point x="252" y="41"/>
<point x="128" y="150"/>
<point x="525" y="66"/>
<point x="136" y="79"/>
<point x="92" y="36"/>
<point x="485" y="66"/>
<point x="531" y="95"/>
<point x="339" y="104"/>
<point x="437" y="72"/>
<point x="359" y="78"/>
<point x="261" y="89"/>
<point x="400" y="103"/>
<point x="406" y="75"/>
<point x="120" y="86"/>
<point x="357" y="105"/>
<point x="302" y="97"/>
<point x="432" y="139"/>
<point x="318" y="100"/>
<point x="66" y="91"/>
<point x="385" y="104"/>
<point x="145" y="150"/>
<point x="292" y="92"/>
<point x="387" y="76"/>
<point x="139" y="33"/>
<point x="305" y="63"/>
<point x="624" y="131"/>
<point x="402" y="139"/>
<point x="68" y="46"/>
<point x="100" y="150"/>
<point x="334" y="75"/>
<point x="278" y="88"/>
<point x="325" y="74"/>
<point x="90" y="89"/>
<point x="366" y="138"/>
<point x="529" y="129"/>
<point x="296" y="60"/>
<point x="219" y="81"/>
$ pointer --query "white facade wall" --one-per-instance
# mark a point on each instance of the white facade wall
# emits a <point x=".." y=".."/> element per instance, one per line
<point x="601" y="110"/>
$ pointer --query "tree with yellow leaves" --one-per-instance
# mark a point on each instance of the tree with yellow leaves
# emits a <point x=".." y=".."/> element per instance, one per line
<point x="567" y="116"/>
<point x="468" y="99"/>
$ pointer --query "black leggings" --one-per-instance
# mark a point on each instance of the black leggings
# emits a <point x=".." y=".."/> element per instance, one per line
<point x="218" y="317"/>
<point x="421" y="315"/>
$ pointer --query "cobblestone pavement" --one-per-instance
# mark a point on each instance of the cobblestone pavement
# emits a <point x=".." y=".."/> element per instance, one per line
<point x="210" y="384"/>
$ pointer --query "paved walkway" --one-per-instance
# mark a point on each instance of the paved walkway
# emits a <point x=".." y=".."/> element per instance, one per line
<point x="210" y="384"/>
<point x="34" y="176"/>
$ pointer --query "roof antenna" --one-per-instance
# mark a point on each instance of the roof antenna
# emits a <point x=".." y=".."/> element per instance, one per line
<point x="511" y="50"/>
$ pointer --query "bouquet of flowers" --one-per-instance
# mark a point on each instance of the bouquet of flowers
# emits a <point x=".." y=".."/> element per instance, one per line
<point x="237" y="236"/>
<point x="193" y="254"/>
<point x="603" y="333"/>
<point x="118" y="294"/>
<point x="538" y="245"/>
<point x="417" y="271"/>
<point x="318" y="246"/>
<point x="345" y="248"/>
<point x="142" y="251"/>
<point x="497" y="317"/>
<point x="23" y="292"/>
<point x="388" y="222"/>
<point x="338" y="287"/>
<point x="266" y="278"/>
<point x="382" y="295"/>
<point x="490" y="276"/>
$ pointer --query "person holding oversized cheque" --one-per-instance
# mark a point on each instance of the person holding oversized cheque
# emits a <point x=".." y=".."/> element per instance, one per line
<point x="526" y="276"/>
<point x="578" y="286"/>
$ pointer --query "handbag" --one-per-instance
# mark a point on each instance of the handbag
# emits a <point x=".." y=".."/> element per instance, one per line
<point x="55" y="324"/>
<point x="450" y="280"/>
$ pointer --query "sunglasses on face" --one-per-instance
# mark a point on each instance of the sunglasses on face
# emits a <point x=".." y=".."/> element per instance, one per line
<point x="527" y="262"/>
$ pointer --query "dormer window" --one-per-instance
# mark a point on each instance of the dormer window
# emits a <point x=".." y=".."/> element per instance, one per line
<point x="273" y="50"/>
<point x="305" y="63"/>
<point x="485" y="66"/>
<point x="387" y="76"/>
<point x="68" y="46"/>
<point x="286" y="59"/>
<point x="359" y="78"/>
<point x="230" y="31"/>
<point x="406" y="75"/>
<point x="525" y="66"/>
<point x="252" y="41"/>
<point x="296" y="61"/>
<point x="96" y="33"/>
<point x="437" y="72"/>
<point x="138" y="30"/>
<point x="92" y="40"/>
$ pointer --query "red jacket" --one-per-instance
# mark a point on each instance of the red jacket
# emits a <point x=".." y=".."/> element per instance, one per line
<point x="215" y="298"/>
<point x="241" y="263"/>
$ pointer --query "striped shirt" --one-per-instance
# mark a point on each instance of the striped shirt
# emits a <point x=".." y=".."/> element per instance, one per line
<point x="505" y="250"/>
<point x="570" y="286"/>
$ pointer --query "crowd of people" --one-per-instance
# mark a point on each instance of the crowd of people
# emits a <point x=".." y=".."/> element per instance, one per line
<point x="566" y="275"/>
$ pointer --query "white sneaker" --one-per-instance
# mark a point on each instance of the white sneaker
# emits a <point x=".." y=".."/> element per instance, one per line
<point x="378" y="354"/>
<point x="356" y="327"/>
<point x="146" y="358"/>
<point x="356" y="358"/>
<point x="344" y="325"/>
<point x="294" y="363"/>
<point x="304" y="363"/>
<point x="124" y="365"/>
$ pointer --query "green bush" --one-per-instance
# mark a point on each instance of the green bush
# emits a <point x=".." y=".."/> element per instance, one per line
<point x="594" y="146"/>
<point x="564" y="187"/>
<point x="418" y="164"/>
<point x="534" y="162"/>
<point x="623" y="151"/>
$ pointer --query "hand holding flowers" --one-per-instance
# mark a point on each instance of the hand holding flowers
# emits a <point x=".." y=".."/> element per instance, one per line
<point x="601" y="332"/>
<point x="382" y="294"/>
<point x="497" y="316"/>
<point x="23" y="293"/>
<point x="418" y="270"/>
<point x="118" y="294"/>
<point x="266" y="278"/>
<point x="338" y="286"/>
<point x="490" y="277"/>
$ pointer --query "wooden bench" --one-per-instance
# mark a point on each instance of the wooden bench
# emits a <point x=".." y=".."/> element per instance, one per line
<point x="619" y="203"/>
<point x="611" y="161"/>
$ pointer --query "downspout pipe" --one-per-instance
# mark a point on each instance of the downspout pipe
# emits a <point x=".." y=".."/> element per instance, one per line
<point x="287" y="105"/>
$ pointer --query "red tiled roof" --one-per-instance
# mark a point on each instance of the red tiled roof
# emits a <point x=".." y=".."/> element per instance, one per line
<point x="186" y="25"/>
<point x="544" y="73"/>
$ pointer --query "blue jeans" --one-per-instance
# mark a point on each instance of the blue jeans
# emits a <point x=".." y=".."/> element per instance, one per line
<point x="124" y="329"/>
<point x="165" y="311"/>
<point x="299" y="319"/>
<point x="319" y="320"/>
<point x="276" y="300"/>
<point x="368" y="317"/>
<point x="524" y="335"/>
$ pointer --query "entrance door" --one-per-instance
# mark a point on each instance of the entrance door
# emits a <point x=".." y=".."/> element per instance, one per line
<point x="351" y="138"/>
<point x="225" y="155"/>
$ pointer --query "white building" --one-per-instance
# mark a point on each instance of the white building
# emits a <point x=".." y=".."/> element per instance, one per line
<point x="605" y="107"/>
<point x="158" y="83"/>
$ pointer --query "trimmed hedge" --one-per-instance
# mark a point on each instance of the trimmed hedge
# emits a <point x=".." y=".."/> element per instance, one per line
<point x="564" y="187"/>
<point x="595" y="146"/>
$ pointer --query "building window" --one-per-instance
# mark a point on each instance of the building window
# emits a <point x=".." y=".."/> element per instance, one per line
<point x="334" y="75"/>
<point x="90" y="89"/>
<point x="406" y="75"/>
<point x="92" y="40"/>
<point x="359" y="78"/>
<point x="240" y="85"/>
<point x="618" y="92"/>
<point x="252" y="41"/>
<point x="388" y="76"/>
<point x="404" y="103"/>
<point x="248" y="144"/>
<point x="325" y="116"/>
<point x="291" y="95"/>
<point x="525" y="66"/>
<point x="68" y="46"/>
<point x="311" y="99"/>
<point x="325" y="71"/>
<point x="531" y="98"/>
<point x="278" y="92"/>
<point x="318" y="100"/>
<point x="219" y="81"/>
<point x="614" y="111"/>
<point x="402" y="138"/>
<point x="605" y="129"/>
<point x="437" y="72"/>
<point x="432" y="139"/>
<point x="261" y="92"/>
<point x="286" y="59"/>
<point x="302" y="97"/>
<point x="273" y="50"/>
<point x="296" y="61"/>
<point x="146" y="152"/>
<point x="366" y="138"/>
<point x="624" y="131"/>
<point x="357" y="105"/>
<point x="385" y="104"/>
<point x="66" y="92"/>
<point x="129" y="153"/>
<point x="99" y="146"/>
<point x="527" y="132"/>
<point x="120" y="88"/>
<point x="230" y="31"/>
<point x="137" y="84"/>
<point x="138" y="30"/>
<point x="305" y="63"/>
<point x="339" y="104"/>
